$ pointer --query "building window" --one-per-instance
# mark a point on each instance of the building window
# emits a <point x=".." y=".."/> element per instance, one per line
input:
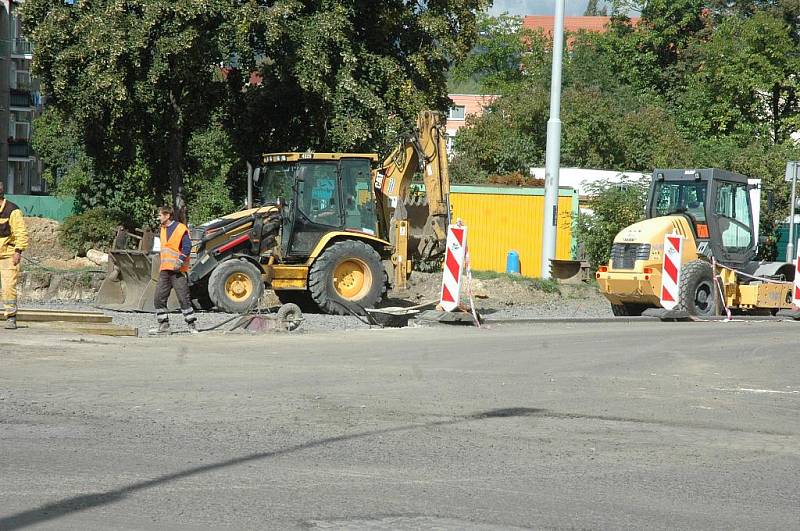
<point x="457" y="112"/>
<point x="19" y="126"/>
<point x="450" y="139"/>
<point x="25" y="177"/>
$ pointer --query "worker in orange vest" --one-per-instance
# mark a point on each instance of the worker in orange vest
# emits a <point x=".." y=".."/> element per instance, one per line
<point x="176" y="246"/>
<point x="13" y="240"/>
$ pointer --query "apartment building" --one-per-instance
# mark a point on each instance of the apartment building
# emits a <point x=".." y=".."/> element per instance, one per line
<point x="20" y="103"/>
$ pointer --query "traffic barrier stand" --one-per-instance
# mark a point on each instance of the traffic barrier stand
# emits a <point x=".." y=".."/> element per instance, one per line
<point x="794" y="312"/>
<point x="670" y="282"/>
<point x="450" y="310"/>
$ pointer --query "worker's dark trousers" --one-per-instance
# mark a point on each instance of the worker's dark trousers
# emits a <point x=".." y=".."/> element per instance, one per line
<point x="166" y="281"/>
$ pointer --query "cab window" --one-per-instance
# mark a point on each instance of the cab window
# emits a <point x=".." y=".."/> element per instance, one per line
<point x="683" y="197"/>
<point x="357" y="193"/>
<point x="317" y="194"/>
<point x="733" y="217"/>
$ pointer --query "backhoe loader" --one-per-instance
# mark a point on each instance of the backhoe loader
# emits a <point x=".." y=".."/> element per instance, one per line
<point x="712" y="210"/>
<point x="331" y="230"/>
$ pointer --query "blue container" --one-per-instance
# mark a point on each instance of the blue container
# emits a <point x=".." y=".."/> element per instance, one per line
<point x="512" y="263"/>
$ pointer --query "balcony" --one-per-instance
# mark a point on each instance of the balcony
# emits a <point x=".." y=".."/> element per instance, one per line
<point x="21" y="46"/>
<point x="19" y="149"/>
<point x="20" y="98"/>
<point x="22" y="80"/>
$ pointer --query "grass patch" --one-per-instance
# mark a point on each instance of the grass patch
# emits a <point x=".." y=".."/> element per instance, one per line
<point x="545" y="285"/>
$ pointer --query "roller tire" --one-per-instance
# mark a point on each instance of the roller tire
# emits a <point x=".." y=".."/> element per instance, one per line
<point x="697" y="292"/>
<point x="220" y="276"/>
<point x="321" y="278"/>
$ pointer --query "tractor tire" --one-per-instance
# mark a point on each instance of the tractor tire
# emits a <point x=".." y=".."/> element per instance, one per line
<point x="301" y="298"/>
<point x="235" y="286"/>
<point x="347" y="278"/>
<point x="697" y="292"/>
<point x="628" y="309"/>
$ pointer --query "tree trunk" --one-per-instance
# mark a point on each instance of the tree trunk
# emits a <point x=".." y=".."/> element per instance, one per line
<point x="175" y="162"/>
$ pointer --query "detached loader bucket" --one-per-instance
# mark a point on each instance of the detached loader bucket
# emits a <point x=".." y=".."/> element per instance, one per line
<point x="130" y="283"/>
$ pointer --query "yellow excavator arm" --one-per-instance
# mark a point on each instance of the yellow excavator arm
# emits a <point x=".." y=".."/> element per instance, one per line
<point x="425" y="152"/>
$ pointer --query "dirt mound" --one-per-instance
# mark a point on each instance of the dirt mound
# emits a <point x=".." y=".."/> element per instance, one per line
<point x="43" y="234"/>
<point x="499" y="291"/>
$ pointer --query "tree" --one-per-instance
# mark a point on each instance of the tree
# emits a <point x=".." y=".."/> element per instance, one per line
<point x="744" y="81"/>
<point x="349" y="74"/>
<point x="505" y="55"/>
<point x="600" y="130"/>
<point x="593" y="10"/>
<point x="141" y="78"/>
<point x="137" y="77"/>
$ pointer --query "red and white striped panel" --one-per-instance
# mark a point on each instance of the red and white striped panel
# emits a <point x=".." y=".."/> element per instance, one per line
<point x="796" y="292"/>
<point x="671" y="270"/>
<point x="453" y="266"/>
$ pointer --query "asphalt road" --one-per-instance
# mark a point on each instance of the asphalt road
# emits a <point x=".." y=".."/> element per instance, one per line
<point x="557" y="426"/>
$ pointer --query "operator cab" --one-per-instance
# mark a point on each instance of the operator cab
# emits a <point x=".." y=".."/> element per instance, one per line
<point x="717" y="206"/>
<point x="319" y="193"/>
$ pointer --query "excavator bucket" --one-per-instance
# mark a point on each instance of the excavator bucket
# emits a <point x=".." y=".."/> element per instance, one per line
<point x="130" y="283"/>
<point x="425" y="246"/>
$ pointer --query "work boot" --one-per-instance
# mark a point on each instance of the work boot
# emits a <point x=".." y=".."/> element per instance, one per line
<point x="193" y="328"/>
<point x="11" y="323"/>
<point x="163" y="328"/>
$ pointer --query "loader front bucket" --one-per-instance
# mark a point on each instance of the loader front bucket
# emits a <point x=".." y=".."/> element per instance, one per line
<point x="130" y="283"/>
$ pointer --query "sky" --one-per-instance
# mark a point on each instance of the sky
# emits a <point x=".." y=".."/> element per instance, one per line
<point x="573" y="8"/>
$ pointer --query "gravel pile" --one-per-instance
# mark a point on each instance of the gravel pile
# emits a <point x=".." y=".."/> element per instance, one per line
<point x="205" y="320"/>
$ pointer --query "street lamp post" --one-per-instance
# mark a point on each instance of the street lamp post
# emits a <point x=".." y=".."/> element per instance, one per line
<point x="791" y="175"/>
<point x="553" y="153"/>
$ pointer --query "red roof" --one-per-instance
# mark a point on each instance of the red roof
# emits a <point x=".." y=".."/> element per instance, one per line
<point x="571" y="24"/>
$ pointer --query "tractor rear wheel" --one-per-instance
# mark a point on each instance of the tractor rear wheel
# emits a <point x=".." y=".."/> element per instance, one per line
<point x="347" y="278"/>
<point x="698" y="294"/>
<point x="235" y="286"/>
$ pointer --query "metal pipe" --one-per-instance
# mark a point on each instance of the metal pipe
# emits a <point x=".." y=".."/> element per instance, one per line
<point x="249" y="185"/>
<point x="553" y="153"/>
<point x="5" y="97"/>
<point x="790" y="257"/>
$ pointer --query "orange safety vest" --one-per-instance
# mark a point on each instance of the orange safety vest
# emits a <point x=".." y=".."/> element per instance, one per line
<point x="171" y="249"/>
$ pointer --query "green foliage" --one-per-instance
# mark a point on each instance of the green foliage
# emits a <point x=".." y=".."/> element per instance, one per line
<point x="56" y="140"/>
<point x="213" y="161"/>
<point x="745" y="83"/>
<point x="614" y="206"/>
<point x="505" y="54"/>
<point x="593" y="10"/>
<point x="600" y="130"/>
<point x="93" y="229"/>
<point x="345" y="75"/>
<point x="138" y="87"/>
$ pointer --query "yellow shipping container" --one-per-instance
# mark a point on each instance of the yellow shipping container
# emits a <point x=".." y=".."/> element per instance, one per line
<point x="501" y="219"/>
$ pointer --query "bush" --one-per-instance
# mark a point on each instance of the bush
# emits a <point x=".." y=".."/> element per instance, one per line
<point x="614" y="207"/>
<point x="92" y="229"/>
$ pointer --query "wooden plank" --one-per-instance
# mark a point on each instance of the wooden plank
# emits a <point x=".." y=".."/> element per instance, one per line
<point x="101" y="329"/>
<point x="54" y="315"/>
